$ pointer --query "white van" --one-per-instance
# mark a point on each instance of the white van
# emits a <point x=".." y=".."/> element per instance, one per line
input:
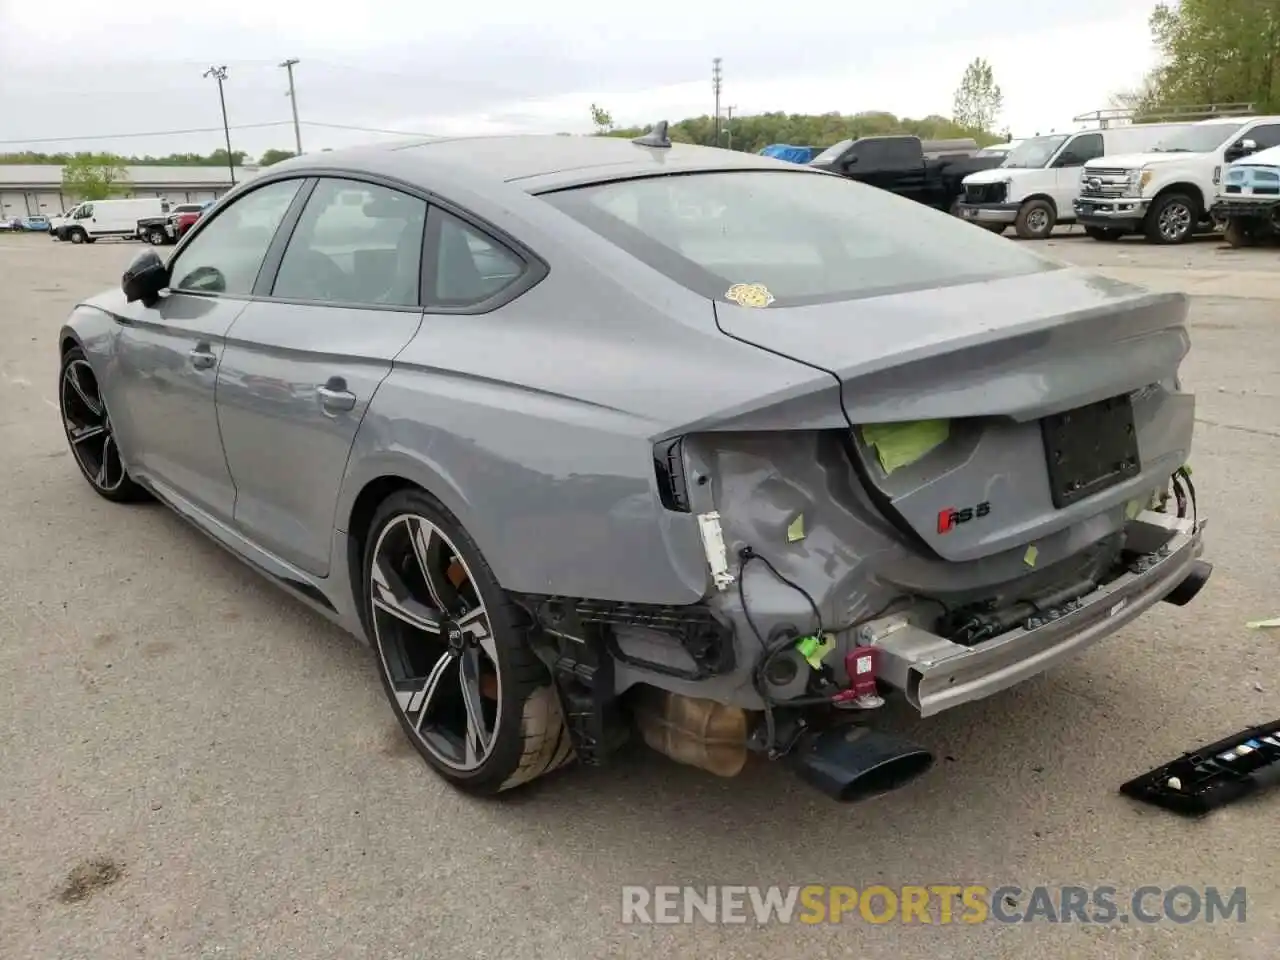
<point x="1037" y="185"/>
<point x="95" y="219"/>
<point x="1166" y="191"/>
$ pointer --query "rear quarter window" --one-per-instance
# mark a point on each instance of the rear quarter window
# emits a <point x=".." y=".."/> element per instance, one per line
<point x="809" y="238"/>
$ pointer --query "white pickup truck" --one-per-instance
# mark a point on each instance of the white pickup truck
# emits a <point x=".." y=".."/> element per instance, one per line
<point x="1167" y="193"/>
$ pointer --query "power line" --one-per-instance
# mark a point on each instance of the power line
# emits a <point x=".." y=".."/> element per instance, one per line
<point x="140" y="136"/>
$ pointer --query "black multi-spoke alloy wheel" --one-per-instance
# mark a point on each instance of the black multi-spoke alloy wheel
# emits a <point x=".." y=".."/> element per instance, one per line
<point x="468" y="690"/>
<point x="90" y="432"/>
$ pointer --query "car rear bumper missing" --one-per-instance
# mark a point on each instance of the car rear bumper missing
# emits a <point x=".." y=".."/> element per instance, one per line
<point x="936" y="674"/>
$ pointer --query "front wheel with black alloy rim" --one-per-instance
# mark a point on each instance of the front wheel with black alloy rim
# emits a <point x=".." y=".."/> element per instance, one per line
<point x="1035" y="220"/>
<point x="468" y="690"/>
<point x="1172" y="219"/>
<point x="90" y="432"/>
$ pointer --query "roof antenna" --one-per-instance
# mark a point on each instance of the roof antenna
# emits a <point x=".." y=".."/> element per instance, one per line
<point x="657" y="137"/>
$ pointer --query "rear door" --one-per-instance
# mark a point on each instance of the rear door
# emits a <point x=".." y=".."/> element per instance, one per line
<point x="340" y="298"/>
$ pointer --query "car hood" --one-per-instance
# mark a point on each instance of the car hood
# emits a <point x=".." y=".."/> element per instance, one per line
<point x="993" y="175"/>
<point x="1021" y="347"/>
<point x="1269" y="157"/>
<point x="1133" y="161"/>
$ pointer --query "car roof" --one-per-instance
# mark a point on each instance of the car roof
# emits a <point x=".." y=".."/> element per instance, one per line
<point x="532" y="162"/>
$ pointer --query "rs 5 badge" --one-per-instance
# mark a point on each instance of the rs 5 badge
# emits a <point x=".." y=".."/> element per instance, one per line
<point x="951" y="517"/>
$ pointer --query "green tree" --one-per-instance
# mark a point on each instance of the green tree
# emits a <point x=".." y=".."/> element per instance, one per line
<point x="275" y="156"/>
<point x="1217" y="51"/>
<point x="602" y="119"/>
<point x="94" y="176"/>
<point x="978" y="99"/>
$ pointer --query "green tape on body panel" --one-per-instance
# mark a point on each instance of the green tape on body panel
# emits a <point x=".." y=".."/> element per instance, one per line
<point x="900" y="444"/>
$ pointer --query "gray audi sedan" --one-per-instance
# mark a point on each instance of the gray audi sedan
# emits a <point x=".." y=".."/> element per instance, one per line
<point x="590" y="437"/>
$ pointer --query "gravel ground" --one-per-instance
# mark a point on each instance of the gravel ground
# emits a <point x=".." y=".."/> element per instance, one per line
<point x="192" y="765"/>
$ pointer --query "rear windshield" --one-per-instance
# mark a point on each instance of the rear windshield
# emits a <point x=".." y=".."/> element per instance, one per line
<point x="808" y="238"/>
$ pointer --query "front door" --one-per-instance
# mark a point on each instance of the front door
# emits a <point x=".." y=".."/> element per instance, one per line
<point x="169" y="354"/>
<point x="304" y="360"/>
<point x="1067" y="167"/>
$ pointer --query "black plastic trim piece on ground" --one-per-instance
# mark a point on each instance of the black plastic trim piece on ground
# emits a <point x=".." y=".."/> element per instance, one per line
<point x="1214" y="775"/>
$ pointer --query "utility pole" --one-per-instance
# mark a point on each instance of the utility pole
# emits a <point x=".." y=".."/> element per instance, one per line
<point x="716" y="77"/>
<point x="220" y="74"/>
<point x="728" y="126"/>
<point x="293" y="102"/>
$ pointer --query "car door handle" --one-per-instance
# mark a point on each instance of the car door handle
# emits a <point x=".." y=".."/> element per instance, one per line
<point x="202" y="358"/>
<point x="334" y="396"/>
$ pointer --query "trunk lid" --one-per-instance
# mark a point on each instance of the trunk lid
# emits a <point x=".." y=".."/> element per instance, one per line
<point x="991" y="360"/>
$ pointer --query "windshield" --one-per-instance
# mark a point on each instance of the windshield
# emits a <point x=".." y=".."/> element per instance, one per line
<point x="1034" y="153"/>
<point x="832" y="152"/>
<point x="1197" y="138"/>
<point x="806" y="237"/>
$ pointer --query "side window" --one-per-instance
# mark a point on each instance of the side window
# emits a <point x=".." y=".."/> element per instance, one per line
<point x="1265" y="135"/>
<point x="1088" y="147"/>
<point x="355" y="243"/>
<point x="85" y="212"/>
<point x="227" y="254"/>
<point x="469" y="266"/>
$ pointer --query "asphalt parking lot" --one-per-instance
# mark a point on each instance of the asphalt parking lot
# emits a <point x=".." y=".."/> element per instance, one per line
<point x="230" y="761"/>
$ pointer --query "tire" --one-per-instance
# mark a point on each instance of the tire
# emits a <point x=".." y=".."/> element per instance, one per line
<point x="1239" y="233"/>
<point x="1109" y="234"/>
<point x="996" y="228"/>
<point x="1172" y="219"/>
<point x="77" y="236"/>
<point x="156" y="237"/>
<point x="87" y="425"/>
<point x="1035" y="220"/>
<point x="954" y="209"/>
<point x="425" y="675"/>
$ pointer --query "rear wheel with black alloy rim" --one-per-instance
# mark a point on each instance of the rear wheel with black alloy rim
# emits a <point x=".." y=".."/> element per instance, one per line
<point x="468" y="690"/>
<point x="90" y="432"/>
<point x="1172" y="219"/>
<point x="1035" y="220"/>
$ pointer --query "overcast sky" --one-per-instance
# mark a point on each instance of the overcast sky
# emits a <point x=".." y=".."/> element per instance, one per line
<point x="87" y="68"/>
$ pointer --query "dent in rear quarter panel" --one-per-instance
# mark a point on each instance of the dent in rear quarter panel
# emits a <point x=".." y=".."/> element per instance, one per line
<point x="559" y="495"/>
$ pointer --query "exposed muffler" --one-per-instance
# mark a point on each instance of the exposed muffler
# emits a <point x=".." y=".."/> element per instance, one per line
<point x="848" y="763"/>
<point x="1191" y="584"/>
<point x="853" y="763"/>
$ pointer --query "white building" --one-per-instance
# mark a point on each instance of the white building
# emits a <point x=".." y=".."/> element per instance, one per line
<point x="30" y="189"/>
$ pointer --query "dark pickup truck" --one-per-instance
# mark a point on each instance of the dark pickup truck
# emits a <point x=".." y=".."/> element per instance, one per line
<point x="928" y="171"/>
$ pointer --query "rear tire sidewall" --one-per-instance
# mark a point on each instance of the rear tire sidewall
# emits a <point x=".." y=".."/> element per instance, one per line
<point x="521" y="674"/>
<point x="1023" y="225"/>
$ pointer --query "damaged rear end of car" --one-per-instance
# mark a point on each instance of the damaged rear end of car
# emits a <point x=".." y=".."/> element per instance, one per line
<point x="1005" y="486"/>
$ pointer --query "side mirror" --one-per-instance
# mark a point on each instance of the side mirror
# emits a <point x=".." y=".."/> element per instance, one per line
<point x="144" y="278"/>
<point x="1248" y="146"/>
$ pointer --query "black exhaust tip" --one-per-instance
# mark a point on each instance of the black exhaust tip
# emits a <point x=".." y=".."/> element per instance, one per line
<point x="1194" y="582"/>
<point x="856" y="763"/>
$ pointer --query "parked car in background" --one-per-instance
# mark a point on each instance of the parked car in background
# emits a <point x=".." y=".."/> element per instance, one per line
<point x="38" y="223"/>
<point x="927" y="171"/>
<point x="170" y="227"/>
<point x="1166" y="193"/>
<point x="96" y="219"/>
<point x="1248" y="204"/>
<point x="10" y="224"/>
<point x="1036" y="186"/>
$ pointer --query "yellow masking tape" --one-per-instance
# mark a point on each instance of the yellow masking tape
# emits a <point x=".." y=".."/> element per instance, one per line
<point x="901" y="444"/>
